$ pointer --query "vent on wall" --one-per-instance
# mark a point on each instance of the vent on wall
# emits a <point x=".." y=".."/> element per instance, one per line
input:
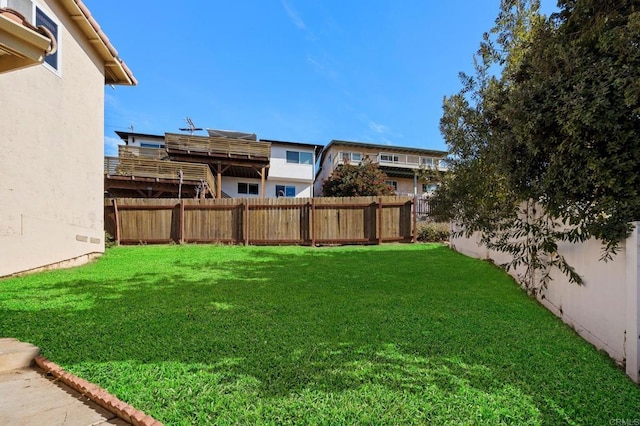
<point x="24" y="7"/>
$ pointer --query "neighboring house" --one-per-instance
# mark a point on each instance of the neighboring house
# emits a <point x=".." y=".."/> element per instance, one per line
<point x="291" y="169"/>
<point x="400" y="164"/>
<point x="51" y="134"/>
<point x="142" y="140"/>
<point x="232" y="164"/>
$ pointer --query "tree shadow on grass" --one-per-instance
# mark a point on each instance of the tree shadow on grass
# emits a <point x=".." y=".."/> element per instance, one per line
<point x="291" y="326"/>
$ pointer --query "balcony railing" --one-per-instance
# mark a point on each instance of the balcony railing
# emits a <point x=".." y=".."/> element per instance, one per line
<point x="389" y="159"/>
<point x="217" y="146"/>
<point x="158" y="169"/>
<point x="126" y="151"/>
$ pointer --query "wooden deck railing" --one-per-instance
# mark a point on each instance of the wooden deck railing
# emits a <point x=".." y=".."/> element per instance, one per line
<point x="215" y="145"/>
<point x="158" y="169"/>
<point x="126" y="151"/>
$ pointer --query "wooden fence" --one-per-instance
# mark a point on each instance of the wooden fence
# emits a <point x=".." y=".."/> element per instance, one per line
<point x="272" y="221"/>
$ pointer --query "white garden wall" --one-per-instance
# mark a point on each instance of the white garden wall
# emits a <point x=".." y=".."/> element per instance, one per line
<point x="605" y="310"/>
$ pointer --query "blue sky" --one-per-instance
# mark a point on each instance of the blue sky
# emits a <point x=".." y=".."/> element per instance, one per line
<point x="295" y="70"/>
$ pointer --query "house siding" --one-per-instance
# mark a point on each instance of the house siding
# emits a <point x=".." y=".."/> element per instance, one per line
<point x="51" y="182"/>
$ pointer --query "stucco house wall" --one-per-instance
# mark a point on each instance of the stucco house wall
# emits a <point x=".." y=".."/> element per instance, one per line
<point x="281" y="172"/>
<point x="51" y="183"/>
<point x="230" y="187"/>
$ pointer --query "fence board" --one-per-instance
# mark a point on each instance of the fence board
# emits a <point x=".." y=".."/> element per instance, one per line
<point x="347" y="220"/>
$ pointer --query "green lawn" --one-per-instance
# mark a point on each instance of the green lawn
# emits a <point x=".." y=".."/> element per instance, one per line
<point x="392" y="334"/>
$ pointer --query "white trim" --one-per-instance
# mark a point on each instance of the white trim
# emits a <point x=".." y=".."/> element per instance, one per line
<point x="395" y="158"/>
<point x="37" y="5"/>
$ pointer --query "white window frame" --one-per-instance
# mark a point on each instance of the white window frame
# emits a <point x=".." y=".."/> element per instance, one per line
<point x="352" y="157"/>
<point x="395" y="158"/>
<point x="427" y="161"/>
<point x="58" y="69"/>
<point x="286" y="156"/>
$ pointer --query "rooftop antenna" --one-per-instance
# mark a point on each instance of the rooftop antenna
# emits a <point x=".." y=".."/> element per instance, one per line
<point x="131" y="127"/>
<point x="191" y="127"/>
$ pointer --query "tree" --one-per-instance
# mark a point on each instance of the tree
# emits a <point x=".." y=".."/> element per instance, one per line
<point x="351" y="180"/>
<point x="553" y="132"/>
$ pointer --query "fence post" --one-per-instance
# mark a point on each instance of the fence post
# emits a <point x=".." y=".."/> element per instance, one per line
<point x="181" y="223"/>
<point x="246" y="223"/>
<point x="312" y="222"/>
<point x="414" y="211"/>
<point x="116" y="218"/>
<point x="379" y="220"/>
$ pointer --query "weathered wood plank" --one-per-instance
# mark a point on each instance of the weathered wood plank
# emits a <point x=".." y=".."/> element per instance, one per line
<point x="363" y="220"/>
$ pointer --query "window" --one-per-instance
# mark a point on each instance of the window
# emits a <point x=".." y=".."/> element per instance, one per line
<point x="429" y="187"/>
<point x="285" y="191"/>
<point x="298" y="157"/>
<point x="351" y="157"/>
<point x="247" y="188"/>
<point x="48" y="23"/>
<point x="151" y="145"/>
<point x="426" y="161"/>
<point x="392" y="183"/>
<point x="389" y="158"/>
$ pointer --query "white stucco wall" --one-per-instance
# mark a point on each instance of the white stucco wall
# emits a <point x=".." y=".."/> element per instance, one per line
<point x="138" y="140"/>
<point x="280" y="169"/>
<point x="303" y="189"/>
<point x="51" y="183"/>
<point x="230" y="187"/>
<point x="605" y="310"/>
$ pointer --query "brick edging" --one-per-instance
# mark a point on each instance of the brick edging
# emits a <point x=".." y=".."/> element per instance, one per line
<point x="98" y="395"/>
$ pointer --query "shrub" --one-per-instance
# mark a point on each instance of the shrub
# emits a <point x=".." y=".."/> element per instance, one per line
<point x="109" y="240"/>
<point x="433" y="232"/>
<point x="357" y="180"/>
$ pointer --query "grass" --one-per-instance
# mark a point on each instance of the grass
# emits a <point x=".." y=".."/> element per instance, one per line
<point x="393" y="334"/>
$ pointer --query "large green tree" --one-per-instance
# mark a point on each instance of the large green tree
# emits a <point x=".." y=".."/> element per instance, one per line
<point x="548" y="123"/>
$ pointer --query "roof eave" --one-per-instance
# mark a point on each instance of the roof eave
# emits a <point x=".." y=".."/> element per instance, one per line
<point x="391" y="148"/>
<point x="20" y="46"/>
<point x="115" y="70"/>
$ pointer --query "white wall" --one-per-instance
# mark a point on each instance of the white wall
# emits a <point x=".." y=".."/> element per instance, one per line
<point x="280" y="169"/>
<point x="230" y="187"/>
<point x="136" y="140"/>
<point x="303" y="189"/>
<point x="51" y="182"/>
<point x="605" y="310"/>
